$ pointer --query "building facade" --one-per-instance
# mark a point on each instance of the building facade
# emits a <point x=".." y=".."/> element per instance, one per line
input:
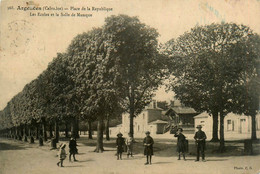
<point x="234" y="124"/>
<point x="180" y="116"/>
<point x="150" y="119"/>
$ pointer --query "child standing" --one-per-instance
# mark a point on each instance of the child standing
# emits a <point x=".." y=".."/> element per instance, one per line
<point x="180" y="143"/>
<point x="62" y="155"/>
<point x="148" y="147"/>
<point x="120" y="142"/>
<point x="129" y="144"/>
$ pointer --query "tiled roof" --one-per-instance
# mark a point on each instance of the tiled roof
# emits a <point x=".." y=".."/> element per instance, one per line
<point x="202" y="115"/>
<point x="182" y="110"/>
<point x="160" y="109"/>
<point x="158" y="122"/>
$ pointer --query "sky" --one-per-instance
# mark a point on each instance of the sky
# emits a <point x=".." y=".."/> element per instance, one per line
<point x="28" y="43"/>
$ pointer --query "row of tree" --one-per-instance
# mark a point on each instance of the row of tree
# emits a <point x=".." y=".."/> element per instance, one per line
<point x="103" y="73"/>
<point x="116" y="68"/>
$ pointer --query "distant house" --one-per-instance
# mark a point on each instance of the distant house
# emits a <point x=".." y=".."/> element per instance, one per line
<point x="157" y="120"/>
<point x="115" y="130"/>
<point x="150" y="119"/>
<point x="181" y="116"/>
<point x="233" y="123"/>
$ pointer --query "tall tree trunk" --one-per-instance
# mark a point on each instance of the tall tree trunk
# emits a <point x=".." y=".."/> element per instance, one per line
<point x="29" y="130"/>
<point x="132" y="110"/>
<point x="16" y="132"/>
<point x="255" y="105"/>
<point x="50" y="130"/>
<point x="215" y="127"/>
<point x="99" y="147"/>
<point x="253" y="131"/>
<point x="73" y="128"/>
<point x="107" y="129"/>
<point x="44" y="131"/>
<point x="30" y="134"/>
<point x="77" y="127"/>
<point x="21" y="130"/>
<point x="131" y="124"/>
<point x="66" y="130"/>
<point x="90" y="130"/>
<point x="37" y="131"/>
<point x="57" y="130"/>
<point x="25" y="133"/>
<point x="222" y="140"/>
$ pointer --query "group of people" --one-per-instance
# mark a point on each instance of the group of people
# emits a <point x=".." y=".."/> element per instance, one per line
<point x="121" y="143"/>
<point x="72" y="150"/>
<point x="128" y="142"/>
<point x="182" y="145"/>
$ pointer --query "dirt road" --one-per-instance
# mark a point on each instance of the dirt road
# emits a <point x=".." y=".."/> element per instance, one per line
<point x="18" y="157"/>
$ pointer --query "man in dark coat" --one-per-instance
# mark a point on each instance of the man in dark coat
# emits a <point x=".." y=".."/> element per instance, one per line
<point x="120" y="142"/>
<point x="200" y="138"/>
<point x="181" y="146"/>
<point x="73" y="148"/>
<point x="148" y="147"/>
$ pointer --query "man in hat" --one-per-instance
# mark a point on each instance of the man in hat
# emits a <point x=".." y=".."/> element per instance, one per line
<point x="120" y="142"/>
<point x="200" y="138"/>
<point x="148" y="147"/>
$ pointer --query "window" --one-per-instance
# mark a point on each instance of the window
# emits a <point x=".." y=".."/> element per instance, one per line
<point x="230" y="126"/>
<point x="143" y="116"/>
<point x="202" y="121"/>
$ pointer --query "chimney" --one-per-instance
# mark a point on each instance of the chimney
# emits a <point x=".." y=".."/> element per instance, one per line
<point x="171" y="103"/>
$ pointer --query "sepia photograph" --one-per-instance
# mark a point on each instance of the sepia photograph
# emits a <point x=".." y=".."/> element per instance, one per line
<point x="129" y="87"/>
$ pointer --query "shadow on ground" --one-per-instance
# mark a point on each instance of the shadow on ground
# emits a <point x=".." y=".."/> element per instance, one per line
<point x="162" y="147"/>
<point x="7" y="146"/>
<point x="167" y="148"/>
<point x="74" y="166"/>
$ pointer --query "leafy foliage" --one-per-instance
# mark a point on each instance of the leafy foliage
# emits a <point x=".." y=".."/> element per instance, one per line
<point x="209" y="66"/>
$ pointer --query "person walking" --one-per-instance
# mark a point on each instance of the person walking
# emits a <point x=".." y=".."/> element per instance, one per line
<point x="181" y="147"/>
<point x="62" y="155"/>
<point x="148" y="147"/>
<point x="129" y="141"/>
<point x="120" y="142"/>
<point x="200" y="138"/>
<point x="73" y="149"/>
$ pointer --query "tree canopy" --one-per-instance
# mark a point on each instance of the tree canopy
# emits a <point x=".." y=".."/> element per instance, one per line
<point x="208" y="65"/>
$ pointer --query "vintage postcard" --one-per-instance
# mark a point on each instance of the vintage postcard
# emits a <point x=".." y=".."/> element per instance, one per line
<point x="129" y="86"/>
